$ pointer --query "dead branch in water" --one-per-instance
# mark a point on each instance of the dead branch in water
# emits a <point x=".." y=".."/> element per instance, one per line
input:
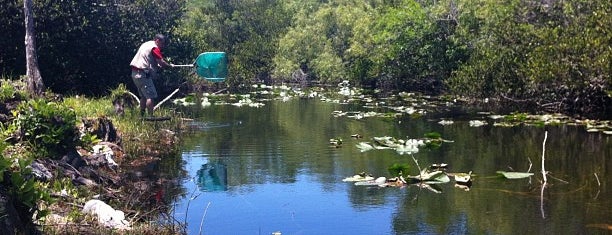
<point x="597" y="178"/>
<point x="543" y="153"/>
<point x="543" y="175"/>
<point x="417" y="164"/>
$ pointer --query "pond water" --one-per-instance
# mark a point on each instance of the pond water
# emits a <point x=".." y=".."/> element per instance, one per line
<point x="272" y="169"/>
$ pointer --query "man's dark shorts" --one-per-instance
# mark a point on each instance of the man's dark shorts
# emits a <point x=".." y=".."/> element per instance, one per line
<point x="144" y="83"/>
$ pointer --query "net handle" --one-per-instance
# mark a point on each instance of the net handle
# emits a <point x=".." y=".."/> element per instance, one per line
<point x="183" y="65"/>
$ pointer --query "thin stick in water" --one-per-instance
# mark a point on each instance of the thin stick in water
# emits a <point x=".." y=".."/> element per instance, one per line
<point x="543" y="175"/>
<point x="530" y="164"/>
<point x="417" y="164"/>
<point x="543" y="152"/>
<point x="203" y="216"/>
<point x="542" y="201"/>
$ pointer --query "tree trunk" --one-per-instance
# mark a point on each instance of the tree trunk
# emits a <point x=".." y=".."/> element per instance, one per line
<point x="34" y="80"/>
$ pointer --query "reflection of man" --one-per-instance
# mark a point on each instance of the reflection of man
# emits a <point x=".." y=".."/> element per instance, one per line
<point x="145" y="65"/>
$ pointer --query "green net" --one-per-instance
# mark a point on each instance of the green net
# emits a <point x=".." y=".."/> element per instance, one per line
<point x="212" y="66"/>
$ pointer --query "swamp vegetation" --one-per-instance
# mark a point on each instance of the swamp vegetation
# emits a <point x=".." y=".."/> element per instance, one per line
<point x="538" y="56"/>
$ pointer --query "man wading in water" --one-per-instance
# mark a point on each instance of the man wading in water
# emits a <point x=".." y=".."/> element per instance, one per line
<point x="145" y="67"/>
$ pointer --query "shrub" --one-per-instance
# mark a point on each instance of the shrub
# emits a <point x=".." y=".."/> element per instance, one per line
<point x="48" y="128"/>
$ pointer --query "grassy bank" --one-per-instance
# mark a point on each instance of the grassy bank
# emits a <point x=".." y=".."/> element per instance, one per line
<point x="144" y="143"/>
<point x="60" y="134"/>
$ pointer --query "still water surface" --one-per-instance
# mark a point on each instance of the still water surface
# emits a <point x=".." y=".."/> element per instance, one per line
<point x="268" y="169"/>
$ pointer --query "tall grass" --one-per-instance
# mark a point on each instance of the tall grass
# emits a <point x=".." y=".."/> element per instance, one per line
<point x="133" y="129"/>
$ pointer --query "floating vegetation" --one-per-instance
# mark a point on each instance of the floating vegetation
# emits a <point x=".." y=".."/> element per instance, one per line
<point x="394" y="182"/>
<point x="363" y="176"/>
<point x="364" y="146"/>
<point x="477" y="123"/>
<point x="604" y="127"/>
<point x="390" y="106"/>
<point x="376" y="182"/>
<point x="430" y="177"/>
<point x="409" y="110"/>
<point x="337" y="142"/>
<point x="516" y="119"/>
<point x="426" y="178"/>
<point x="401" y="146"/>
<point x="463" y="178"/>
<point x="446" y="122"/>
<point x="185" y="101"/>
<point x="514" y="175"/>
<point x="247" y="102"/>
<point x="361" y="115"/>
<point x="408" y="146"/>
<point x="438" y="166"/>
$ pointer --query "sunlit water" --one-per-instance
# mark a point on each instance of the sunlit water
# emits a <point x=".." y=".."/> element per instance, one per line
<point x="272" y="169"/>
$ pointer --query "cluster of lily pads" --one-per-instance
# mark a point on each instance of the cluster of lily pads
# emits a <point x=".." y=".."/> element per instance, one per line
<point x="401" y="146"/>
<point x="259" y="94"/>
<point x="417" y="105"/>
<point x="426" y="179"/>
<point x="394" y="105"/>
<point x="515" y="119"/>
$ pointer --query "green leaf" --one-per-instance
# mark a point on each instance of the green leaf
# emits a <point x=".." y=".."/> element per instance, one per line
<point x="514" y="175"/>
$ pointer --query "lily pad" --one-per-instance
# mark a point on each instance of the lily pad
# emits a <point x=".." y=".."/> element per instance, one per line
<point x="515" y="175"/>
<point x="364" y="146"/>
<point x="434" y="177"/>
<point x="377" y="181"/>
<point x="358" y="178"/>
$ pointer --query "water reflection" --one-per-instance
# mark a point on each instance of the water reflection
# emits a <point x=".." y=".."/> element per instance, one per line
<point x="212" y="177"/>
<point x="272" y="169"/>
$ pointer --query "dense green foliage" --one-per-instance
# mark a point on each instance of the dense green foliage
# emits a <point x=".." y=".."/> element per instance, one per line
<point x="246" y="30"/>
<point x="49" y="128"/>
<point x="16" y="179"/>
<point x="84" y="47"/>
<point x="550" y="55"/>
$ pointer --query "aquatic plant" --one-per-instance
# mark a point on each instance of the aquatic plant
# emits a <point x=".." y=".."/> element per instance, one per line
<point x="398" y="169"/>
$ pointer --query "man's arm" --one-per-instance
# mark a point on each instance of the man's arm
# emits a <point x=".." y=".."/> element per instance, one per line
<point x="161" y="62"/>
<point x="159" y="58"/>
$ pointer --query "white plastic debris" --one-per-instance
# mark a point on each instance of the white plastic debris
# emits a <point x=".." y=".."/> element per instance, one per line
<point x="107" y="216"/>
<point x="107" y="152"/>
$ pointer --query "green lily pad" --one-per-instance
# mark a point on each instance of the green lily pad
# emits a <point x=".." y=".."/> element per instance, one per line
<point x="514" y="175"/>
